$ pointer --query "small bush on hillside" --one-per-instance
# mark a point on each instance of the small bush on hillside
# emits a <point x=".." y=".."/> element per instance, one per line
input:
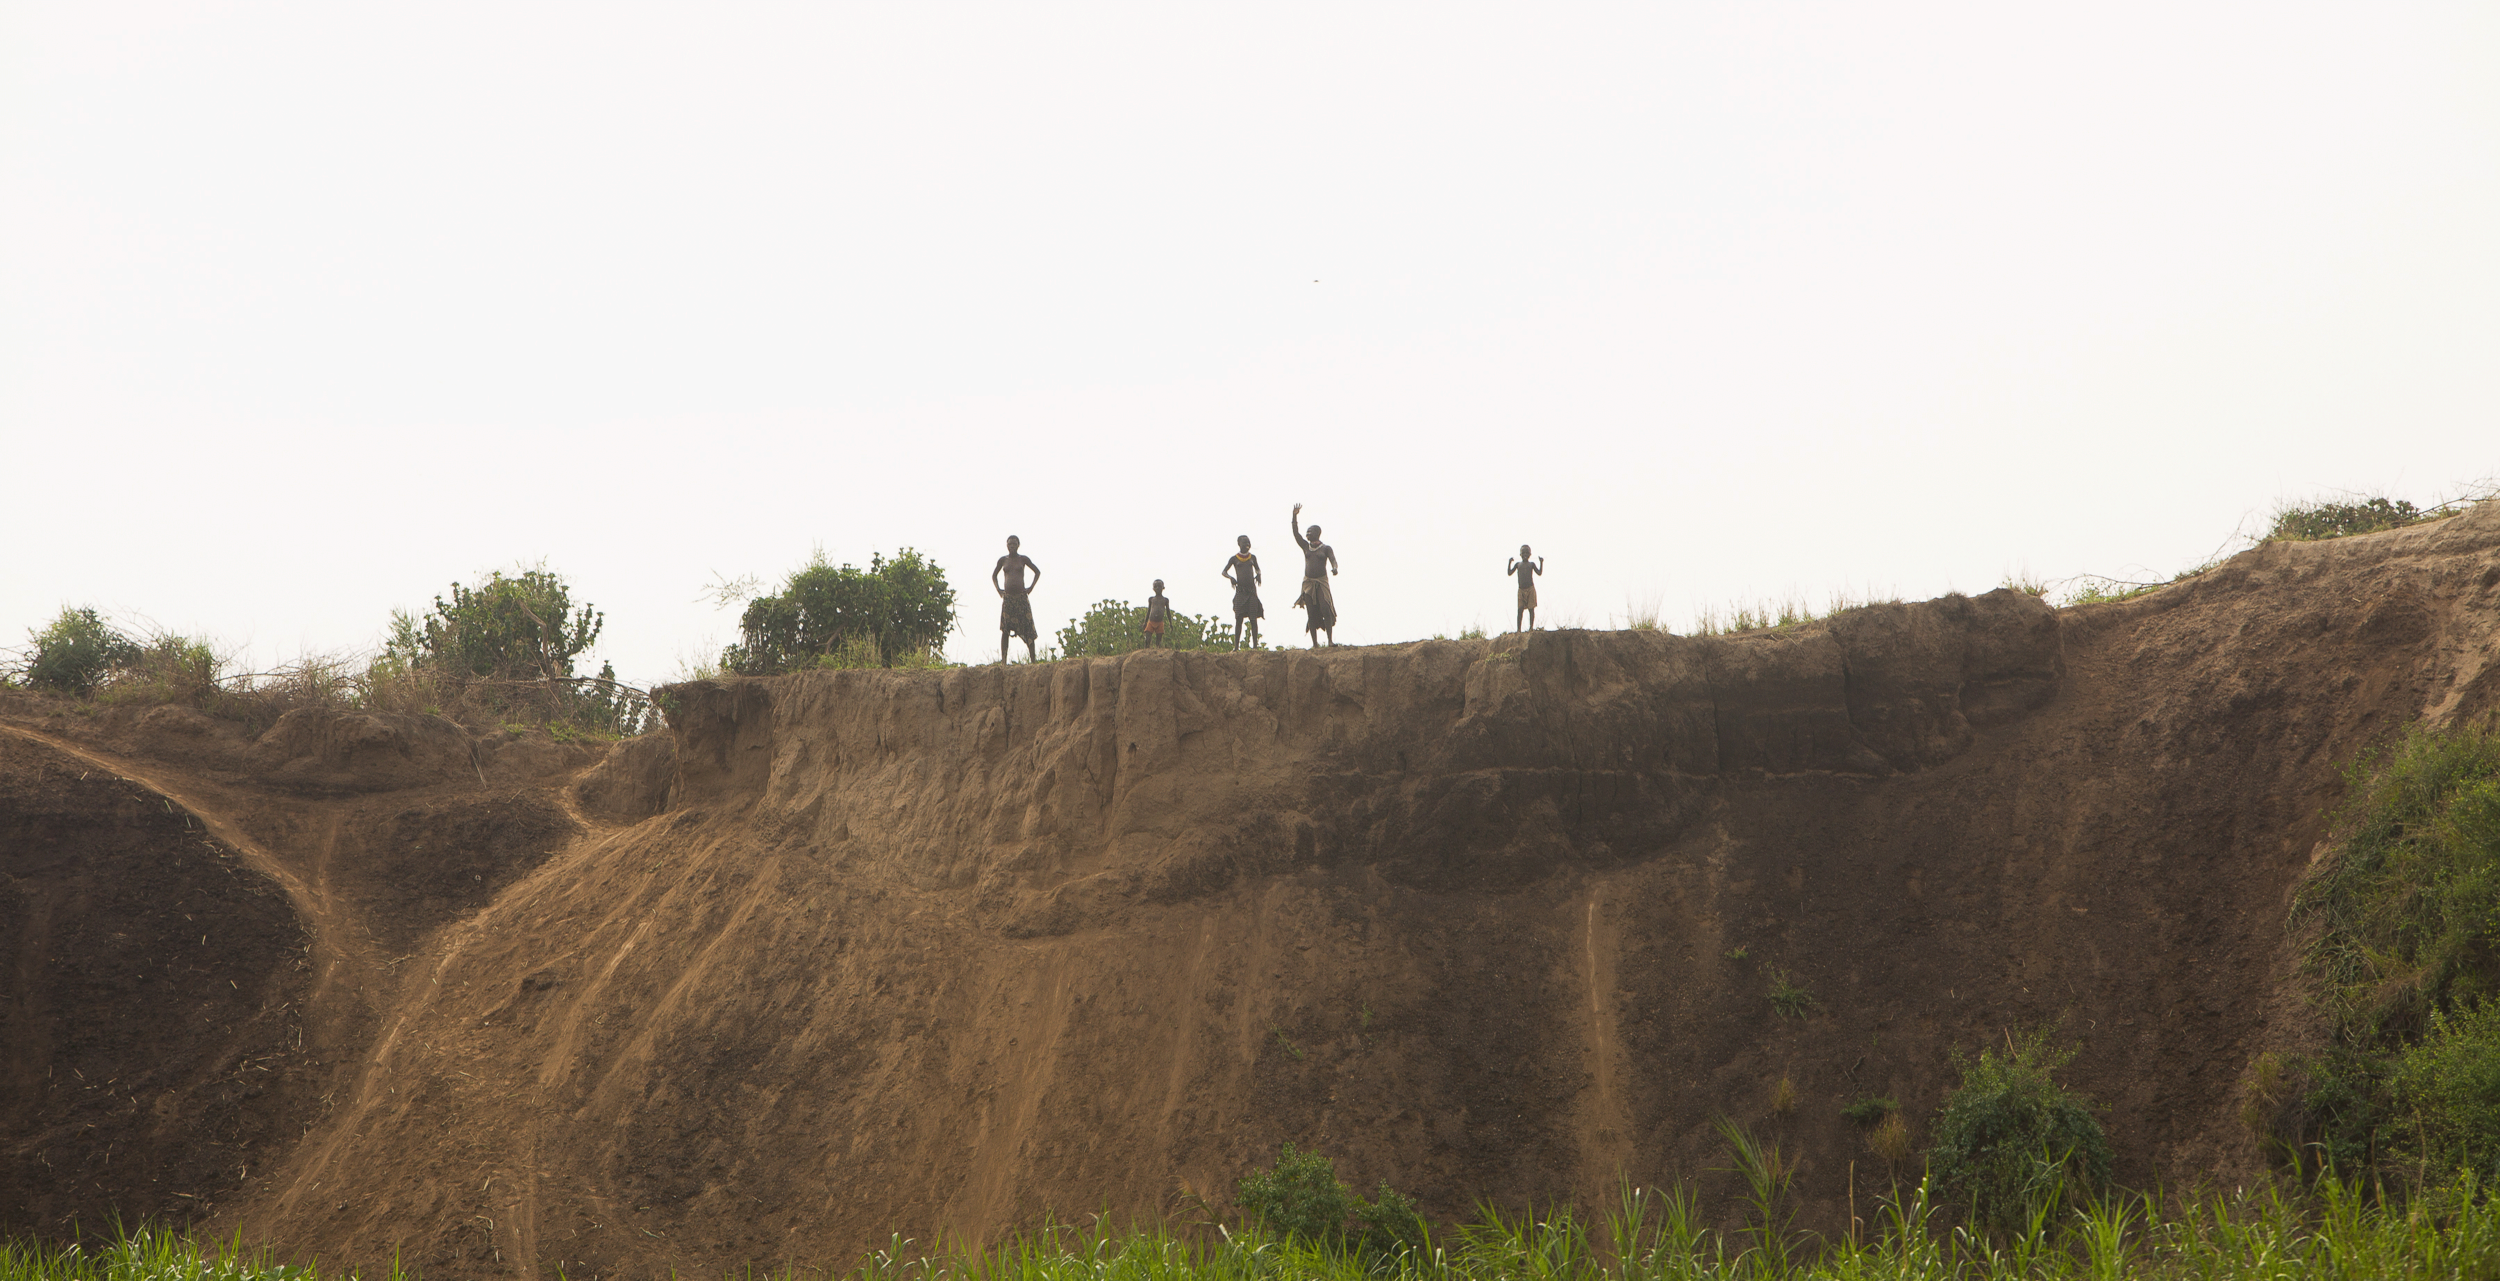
<point x="77" y="653"/>
<point x="2096" y="591"/>
<point x="169" y="669"/>
<point x="900" y="609"/>
<point x="1301" y="1199"/>
<point x="1790" y="1000"/>
<point x="504" y="648"/>
<point x="2448" y="1093"/>
<point x="2009" y="1139"/>
<point x="1115" y="627"/>
<point x="1890" y="1139"/>
<point x="2303" y="522"/>
<point x="524" y="627"/>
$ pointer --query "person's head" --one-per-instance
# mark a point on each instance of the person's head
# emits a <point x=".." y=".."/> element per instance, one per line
<point x="1314" y="534"/>
<point x="1014" y="542"/>
<point x="1158" y="587"/>
<point x="1523" y="551"/>
<point x="1244" y="540"/>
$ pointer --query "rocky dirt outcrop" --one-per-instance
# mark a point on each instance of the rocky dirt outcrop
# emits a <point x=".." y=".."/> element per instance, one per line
<point x="849" y="953"/>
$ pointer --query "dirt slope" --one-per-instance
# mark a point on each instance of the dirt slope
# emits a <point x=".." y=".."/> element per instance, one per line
<point x="852" y="953"/>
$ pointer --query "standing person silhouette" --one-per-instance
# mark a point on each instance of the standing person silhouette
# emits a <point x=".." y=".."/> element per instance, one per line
<point x="1242" y="571"/>
<point x="1158" y="610"/>
<point x="1015" y="609"/>
<point x="1319" y="560"/>
<point x="1527" y="589"/>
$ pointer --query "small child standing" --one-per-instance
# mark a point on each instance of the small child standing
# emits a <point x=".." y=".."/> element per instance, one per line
<point x="1526" y="572"/>
<point x="1158" y="608"/>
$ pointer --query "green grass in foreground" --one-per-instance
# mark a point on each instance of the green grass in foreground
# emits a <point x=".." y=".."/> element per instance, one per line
<point x="1648" y="1237"/>
<point x="150" y="1255"/>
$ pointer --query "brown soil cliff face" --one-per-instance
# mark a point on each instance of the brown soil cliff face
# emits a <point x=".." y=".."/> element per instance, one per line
<point x="858" y="952"/>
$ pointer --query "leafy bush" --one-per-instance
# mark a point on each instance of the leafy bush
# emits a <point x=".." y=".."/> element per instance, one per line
<point x="77" y="652"/>
<point x="1115" y="627"/>
<point x="506" y="648"/>
<point x="2307" y="521"/>
<point x="1870" y="1110"/>
<point x="2009" y="1140"/>
<point x="901" y="608"/>
<point x="2447" y="1087"/>
<point x="519" y="628"/>
<point x="170" y="669"/>
<point x="1301" y="1199"/>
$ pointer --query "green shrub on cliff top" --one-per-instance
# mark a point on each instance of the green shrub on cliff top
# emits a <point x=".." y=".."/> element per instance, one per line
<point x="2302" y="522"/>
<point x="897" y="610"/>
<point x="504" y="646"/>
<point x="77" y="652"/>
<point x="1114" y="627"/>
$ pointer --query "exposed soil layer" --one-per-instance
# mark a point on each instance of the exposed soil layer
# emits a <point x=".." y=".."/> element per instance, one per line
<point x="154" y="995"/>
<point x="851" y="953"/>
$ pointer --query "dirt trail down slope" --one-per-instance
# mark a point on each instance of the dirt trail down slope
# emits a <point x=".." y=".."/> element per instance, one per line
<point x="857" y="952"/>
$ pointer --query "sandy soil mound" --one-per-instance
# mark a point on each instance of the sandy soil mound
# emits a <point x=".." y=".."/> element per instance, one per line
<point x="858" y="952"/>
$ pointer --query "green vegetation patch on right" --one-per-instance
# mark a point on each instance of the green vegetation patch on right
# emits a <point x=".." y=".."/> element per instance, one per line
<point x="2403" y="924"/>
<point x="2407" y="906"/>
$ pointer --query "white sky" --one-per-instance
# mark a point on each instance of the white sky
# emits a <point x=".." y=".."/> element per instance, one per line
<point x="307" y="310"/>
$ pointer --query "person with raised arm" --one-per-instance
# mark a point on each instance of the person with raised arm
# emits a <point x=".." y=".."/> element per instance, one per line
<point x="1526" y="573"/>
<point x="1319" y="560"/>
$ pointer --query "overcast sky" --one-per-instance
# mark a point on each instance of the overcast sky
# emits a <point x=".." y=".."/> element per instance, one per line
<point x="307" y="310"/>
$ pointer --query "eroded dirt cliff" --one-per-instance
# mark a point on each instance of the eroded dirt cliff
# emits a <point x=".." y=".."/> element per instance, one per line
<point x="857" y="952"/>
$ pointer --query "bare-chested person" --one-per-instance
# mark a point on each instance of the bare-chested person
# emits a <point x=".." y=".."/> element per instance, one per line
<point x="1158" y="612"/>
<point x="1526" y="573"/>
<point x="1015" y="609"/>
<point x="1319" y="560"/>
<point x="1242" y="570"/>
